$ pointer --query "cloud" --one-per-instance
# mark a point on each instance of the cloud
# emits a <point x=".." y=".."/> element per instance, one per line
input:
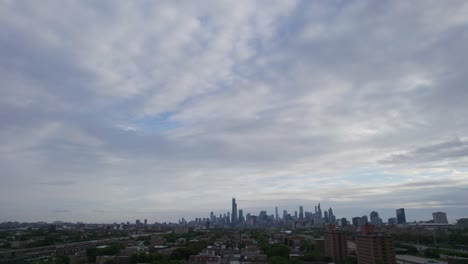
<point x="167" y="107"/>
<point x="58" y="183"/>
<point x="448" y="151"/>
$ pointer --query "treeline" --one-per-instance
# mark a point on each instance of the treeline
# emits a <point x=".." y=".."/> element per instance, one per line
<point x="454" y="237"/>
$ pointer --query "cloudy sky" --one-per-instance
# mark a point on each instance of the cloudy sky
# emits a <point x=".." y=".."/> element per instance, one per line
<point x="113" y="111"/>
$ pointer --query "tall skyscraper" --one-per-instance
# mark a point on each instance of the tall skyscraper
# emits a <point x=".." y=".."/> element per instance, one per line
<point x="375" y="219"/>
<point x="241" y="216"/>
<point x="234" y="212"/>
<point x="301" y="212"/>
<point x="318" y="211"/>
<point x="374" y="248"/>
<point x="355" y="221"/>
<point x="400" y="215"/>
<point x="326" y="220"/>
<point x="276" y="213"/>
<point x="364" y="218"/>
<point x="336" y="245"/>
<point x="344" y="222"/>
<point x="440" y="218"/>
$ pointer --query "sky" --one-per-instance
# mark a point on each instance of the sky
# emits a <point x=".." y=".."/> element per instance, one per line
<point x="123" y="110"/>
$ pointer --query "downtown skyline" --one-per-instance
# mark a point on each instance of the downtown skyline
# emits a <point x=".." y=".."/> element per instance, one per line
<point x="114" y="110"/>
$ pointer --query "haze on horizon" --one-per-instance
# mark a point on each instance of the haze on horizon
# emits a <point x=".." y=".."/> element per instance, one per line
<point x="123" y="110"/>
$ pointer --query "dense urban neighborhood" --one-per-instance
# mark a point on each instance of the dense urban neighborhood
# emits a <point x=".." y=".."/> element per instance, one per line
<point x="231" y="239"/>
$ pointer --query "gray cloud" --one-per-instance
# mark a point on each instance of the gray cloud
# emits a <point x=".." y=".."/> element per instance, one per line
<point x="454" y="149"/>
<point x="58" y="183"/>
<point x="142" y="103"/>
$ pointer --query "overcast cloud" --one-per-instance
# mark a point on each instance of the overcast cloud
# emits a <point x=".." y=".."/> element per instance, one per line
<point x="118" y="110"/>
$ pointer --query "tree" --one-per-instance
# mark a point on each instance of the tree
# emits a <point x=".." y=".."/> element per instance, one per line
<point x="351" y="260"/>
<point x="307" y="246"/>
<point x="278" y="250"/>
<point x="182" y="253"/>
<point x="277" y="260"/>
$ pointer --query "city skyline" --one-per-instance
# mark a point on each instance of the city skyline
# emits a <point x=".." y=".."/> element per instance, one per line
<point x="235" y="213"/>
<point x="116" y="110"/>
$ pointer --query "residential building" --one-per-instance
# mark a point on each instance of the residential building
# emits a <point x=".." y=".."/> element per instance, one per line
<point x="372" y="247"/>
<point x="335" y="244"/>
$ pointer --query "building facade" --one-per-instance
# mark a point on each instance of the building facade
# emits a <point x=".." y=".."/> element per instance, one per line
<point x="440" y="218"/>
<point x="372" y="248"/>
<point x="336" y="245"/>
<point x="400" y="215"/>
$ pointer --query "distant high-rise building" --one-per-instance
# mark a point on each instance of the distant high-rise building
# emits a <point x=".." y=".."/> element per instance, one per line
<point x="212" y="218"/>
<point x="400" y="215"/>
<point x="263" y="216"/>
<point x="332" y="219"/>
<point x="365" y="219"/>
<point x="146" y="221"/>
<point x="336" y="245"/>
<point x="248" y="218"/>
<point x="326" y="219"/>
<point x="372" y="248"/>
<point x="276" y="213"/>
<point x="241" y="216"/>
<point x="355" y="221"/>
<point x="301" y="212"/>
<point x="138" y="222"/>
<point x="392" y="221"/>
<point x="295" y="214"/>
<point x="331" y="216"/>
<point x="234" y="212"/>
<point x="440" y="218"/>
<point x="344" y="222"/>
<point x="318" y="211"/>
<point x="375" y="219"/>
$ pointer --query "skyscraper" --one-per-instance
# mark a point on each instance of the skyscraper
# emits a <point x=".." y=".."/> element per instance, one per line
<point x="344" y="222"/>
<point x="234" y="212"/>
<point x="241" y="216"/>
<point x="318" y="210"/>
<point x="400" y="215"/>
<point x="364" y="218"/>
<point x="301" y="212"/>
<point x="276" y="213"/>
<point x="325" y="217"/>
<point x="356" y="221"/>
<point x="375" y="219"/>
<point x="440" y="218"/>
<point x="331" y="216"/>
